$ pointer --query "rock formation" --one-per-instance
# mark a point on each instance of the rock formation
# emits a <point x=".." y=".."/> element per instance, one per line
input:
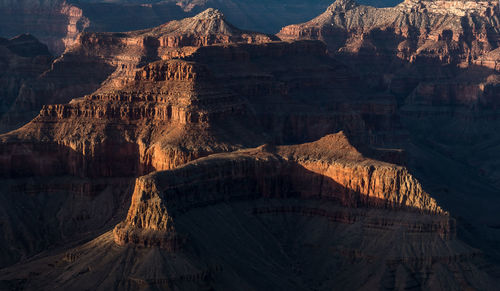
<point x="447" y="31"/>
<point x="58" y="22"/>
<point x="439" y="59"/>
<point x="54" y="22"/>
<point x="436" y="57"/>
<point x="330" y="169"/>
<point x="175" y="111"/>
<point x="22" y="60"/>
<point x="114" y="58"/>
<point x="249" y="163"/>
<point x="287" y="222"/>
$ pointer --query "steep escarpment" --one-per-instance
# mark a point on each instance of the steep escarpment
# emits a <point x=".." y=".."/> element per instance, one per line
<point x="353" y="179"/>
<point x="166" y="113"/>
<point x="171" y="114"/>
<point x="447" y="31"/>
<point x="300" y="94"/>
<point x="268" y="200"/>
<point x="329" y="169"/>
<point x="112" y="59"/>
<point x="189" y="227"/>
<point x="415" y="42"/>
<point x="128" y="51"/>
<point x="22" y="60"/>
<point x="438" y="58"/>
<point x="54" y="22"/>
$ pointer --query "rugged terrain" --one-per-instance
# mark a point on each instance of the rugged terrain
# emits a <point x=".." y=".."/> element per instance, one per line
<point x="57" y="23"/>
<point x="200" y="156"/>
<point x="304" y="216"/>
<point x="440" y="62"/>
<point x="114" y="58"/>
<point x="22" y="60"/>
<point x="54" y="22"/>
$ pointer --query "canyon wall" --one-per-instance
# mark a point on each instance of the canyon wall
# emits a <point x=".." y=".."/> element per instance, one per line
<point x="330" y="169"/>
<point x="55" y="22"/>
<point x="22" y="60"/>
<point x="112" y="60"/>
<point x="413" y="30"/>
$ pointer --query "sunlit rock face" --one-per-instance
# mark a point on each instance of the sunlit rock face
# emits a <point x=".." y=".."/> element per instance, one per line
<point x="199" y="156"/>
<point x="57" y="22"/>
<point x="330" y="169"/>
<point x="54" y="22"/>
<point x="449" y="31"/>
<point x="113" y="59"/>
<point x="295" y="206"/>
<point x="429" y="54"/>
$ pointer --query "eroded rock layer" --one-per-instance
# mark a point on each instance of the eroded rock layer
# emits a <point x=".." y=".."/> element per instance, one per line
<point x="330" y="169"/>
<point x="447" y="31"/>
<point x="112" y="59"/>
<point x="55" y="22"/>
<point x="22" y="60"/>
<point x="446" y="48"/>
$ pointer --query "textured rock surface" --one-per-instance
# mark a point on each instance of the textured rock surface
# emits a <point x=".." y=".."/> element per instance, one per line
<point x="448" y="105"/>
<point x="221" y="221"/>
<point x="329" y="169"/>
<point x="146" y="126"/>
<point x="114" y="58"/>
<point x="447" y="31"/>
<point x="319" y="215"/>
<point x="54" y="22"/>
<point x="22" y="60"/>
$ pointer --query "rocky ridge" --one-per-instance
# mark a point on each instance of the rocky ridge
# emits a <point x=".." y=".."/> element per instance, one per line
<point x="469" y="30"/>
<point x="330" y="169"/>
<point x="55" y="22"/>
<point x="172" y="112"/>
<point x="257" y="202"/>
<point x="114" y="58"/>
<point x="302" y="215"/>
<point x="22" y="60"/>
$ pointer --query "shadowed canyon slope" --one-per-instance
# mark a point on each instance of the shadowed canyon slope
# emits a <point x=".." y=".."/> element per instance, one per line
<point x="58" y="22"/>
<point x="23" y="59"/>
<point x="198" y="156"/>
<point x="113" y="58"/>
<point x="440" y="60"/>
<point x="293" y="217"/>
<point x="170" y="112"/>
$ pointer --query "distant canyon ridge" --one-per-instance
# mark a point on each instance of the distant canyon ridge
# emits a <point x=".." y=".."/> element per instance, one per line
<point x="58" y="22"/>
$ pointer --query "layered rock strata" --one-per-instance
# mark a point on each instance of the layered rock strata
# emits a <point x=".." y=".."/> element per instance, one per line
<point x="160" y="121"/>
<point x="300" y="94"/>
<point x="54" y="22"/>
<point x="22" y="60"/>
<point x="171" y="114"/>
<point x="447" y="31"/>
<point x="330" y="169"/>
<point x="438" y="58"/>
<point x="112" y="59"/>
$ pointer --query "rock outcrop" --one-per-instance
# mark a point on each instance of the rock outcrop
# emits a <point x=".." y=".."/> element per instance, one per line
<point x="438" y="58"/>
<point x="22" y="60"/>
<point x="449" y="32"/>
<point x="330" y="169"/>
<point x="187" y="227"/>
<point x="54" y="22"/>
<point x="183" y="106"/>
<point x="171" y="114"/>
<point x="161" y="120"/>
<point x="114" y="58"/>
